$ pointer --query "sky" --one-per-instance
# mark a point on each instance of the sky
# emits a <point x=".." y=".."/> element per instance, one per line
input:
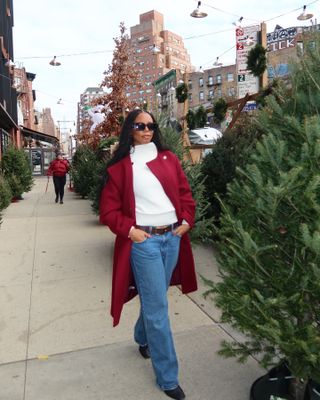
<point x="65" y="28"/>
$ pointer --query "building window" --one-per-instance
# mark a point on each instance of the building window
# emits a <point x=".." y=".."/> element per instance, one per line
<point x="210" y="80"/>
<point x="201" y="96"/>
<point x="190" y="96"/>
<point x="219" y="92"/>
<point x="210" y="94"/>
<point x="230" y="77"/>
<point x="190" y="84"/>
<point x="231" y="91"/>
<point x="200" y="82"/>
<point x="218" y="78"/>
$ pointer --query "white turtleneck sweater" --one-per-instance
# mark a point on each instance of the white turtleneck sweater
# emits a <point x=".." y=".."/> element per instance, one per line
<point x="153" y="206"/>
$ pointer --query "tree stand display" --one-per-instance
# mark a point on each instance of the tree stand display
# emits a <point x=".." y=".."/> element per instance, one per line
<point x="272" y="386"/>
<point x="276" y="385"/>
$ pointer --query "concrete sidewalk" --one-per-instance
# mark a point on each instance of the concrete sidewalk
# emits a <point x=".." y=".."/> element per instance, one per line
<point x="56" y="336"/>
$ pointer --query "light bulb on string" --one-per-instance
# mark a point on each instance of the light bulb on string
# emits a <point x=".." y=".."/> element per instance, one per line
<point x="304" y="16"/>
<point x="238" y="23"/>
<point x="54" y="62"/>
<point x="197" y="13"/>
<point x="217" y="63"/>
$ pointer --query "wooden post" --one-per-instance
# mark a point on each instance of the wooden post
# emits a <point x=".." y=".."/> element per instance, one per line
<point x="185" y="137"/>
<point x="263" y="41"/>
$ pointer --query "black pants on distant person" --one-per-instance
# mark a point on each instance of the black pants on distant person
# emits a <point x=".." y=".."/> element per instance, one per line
<point x="59" y="183"/>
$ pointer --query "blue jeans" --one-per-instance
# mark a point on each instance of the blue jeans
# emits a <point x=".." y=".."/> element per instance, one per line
<point x="153" y="262"/>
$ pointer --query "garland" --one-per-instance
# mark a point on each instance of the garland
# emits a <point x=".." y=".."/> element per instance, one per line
<point x="182" y="93"/>
<point x="257" y="60"/>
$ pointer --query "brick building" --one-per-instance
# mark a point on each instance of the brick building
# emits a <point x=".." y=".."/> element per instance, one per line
<point x="154" y="51"/>
<point x="8" y="97"/>
<point x="211" y="84"/>
<point x="26" y="97"/>
<point x="286" y="45"/>
<point x="45" y="123"/>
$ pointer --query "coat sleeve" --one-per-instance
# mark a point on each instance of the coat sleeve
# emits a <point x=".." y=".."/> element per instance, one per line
<point x="188" y="205"/>
<point x="111" y="209"/>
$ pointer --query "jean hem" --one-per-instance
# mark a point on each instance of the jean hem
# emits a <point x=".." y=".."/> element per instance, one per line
<point x="169" y="388"/>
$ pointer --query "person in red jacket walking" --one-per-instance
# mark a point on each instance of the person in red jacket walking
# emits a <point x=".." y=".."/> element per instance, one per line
<point x="58" y="169"/>
<point x="147" y="202"/>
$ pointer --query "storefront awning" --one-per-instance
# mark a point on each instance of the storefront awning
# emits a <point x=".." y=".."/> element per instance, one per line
<point x="6" y="122"/>
<point x="44" y="137"/>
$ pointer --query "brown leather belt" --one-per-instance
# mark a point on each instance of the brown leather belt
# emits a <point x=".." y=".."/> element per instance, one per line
<point x="153" y="230"/>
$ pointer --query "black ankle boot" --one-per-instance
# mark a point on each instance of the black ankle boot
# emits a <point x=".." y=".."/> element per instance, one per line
<point x="176" y="393"/>
<point x="144" y="351"/>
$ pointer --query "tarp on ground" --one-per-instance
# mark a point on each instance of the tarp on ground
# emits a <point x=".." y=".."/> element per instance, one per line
<point x="204" y="135"/>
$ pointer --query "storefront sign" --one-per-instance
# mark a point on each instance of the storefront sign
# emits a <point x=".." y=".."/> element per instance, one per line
<point x="281" y="39"/>
<point x="246" y="38"/>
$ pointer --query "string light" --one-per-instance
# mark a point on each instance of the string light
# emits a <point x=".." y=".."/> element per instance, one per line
<point x="207" y="34"/>
<point x="248" y="19"/>
<point x="290" y="12"/>
<point x="197" y="13"/>
<point x="66" y="55"/>
<point x="228" y="13"/>
<point x="54" y="62"/>
<point x="222" y="54"/>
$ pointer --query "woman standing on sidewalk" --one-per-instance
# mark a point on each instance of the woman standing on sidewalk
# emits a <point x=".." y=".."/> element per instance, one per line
<point x="59" y="168"/>
<point x="147" y="203"/>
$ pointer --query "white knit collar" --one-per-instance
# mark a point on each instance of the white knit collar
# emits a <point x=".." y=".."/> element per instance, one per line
<point x="148" y="147"/>
<point x="144" y="152"/>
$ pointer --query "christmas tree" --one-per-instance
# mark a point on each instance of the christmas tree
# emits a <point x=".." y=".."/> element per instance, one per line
<point x="119" y="75"/>
<point x="17" y="171"/>
<point x="269" y="250"/>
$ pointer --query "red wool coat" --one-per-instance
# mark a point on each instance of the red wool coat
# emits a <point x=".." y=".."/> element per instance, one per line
<point x="58" y="167"/>
<point x="117" y="210"/>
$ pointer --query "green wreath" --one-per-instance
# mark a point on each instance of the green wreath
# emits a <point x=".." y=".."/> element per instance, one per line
<point x="257" y="60"/>
<point x="220" y="108"/>
<point x="182" y="93"/>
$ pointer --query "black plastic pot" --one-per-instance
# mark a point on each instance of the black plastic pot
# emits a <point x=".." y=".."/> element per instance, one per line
<point x="274" y="384"/>
<point x="312" y="391"/>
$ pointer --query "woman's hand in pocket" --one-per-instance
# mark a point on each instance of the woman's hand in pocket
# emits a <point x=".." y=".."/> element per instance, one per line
<point x="181" y="230"/>
<point x="138" y="235"/>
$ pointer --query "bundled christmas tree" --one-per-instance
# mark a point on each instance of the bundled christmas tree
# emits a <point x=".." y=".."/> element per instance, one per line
<point x="84" y="169"/>
<point x="203" y="229"/>
<point x="269" y="252"/>
<point x="17" y="171"/>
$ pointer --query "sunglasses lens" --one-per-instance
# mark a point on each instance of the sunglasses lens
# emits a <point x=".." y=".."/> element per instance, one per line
<point x="141" y="126"/>
<point x="152" y="126"/>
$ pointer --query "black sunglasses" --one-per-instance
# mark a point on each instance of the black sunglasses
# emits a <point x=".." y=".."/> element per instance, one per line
<point x="141" y="126"/>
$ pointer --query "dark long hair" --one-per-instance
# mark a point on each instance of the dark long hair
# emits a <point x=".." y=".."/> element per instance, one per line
<point x="126" y="143"/>
<point x="125" y="139"/>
